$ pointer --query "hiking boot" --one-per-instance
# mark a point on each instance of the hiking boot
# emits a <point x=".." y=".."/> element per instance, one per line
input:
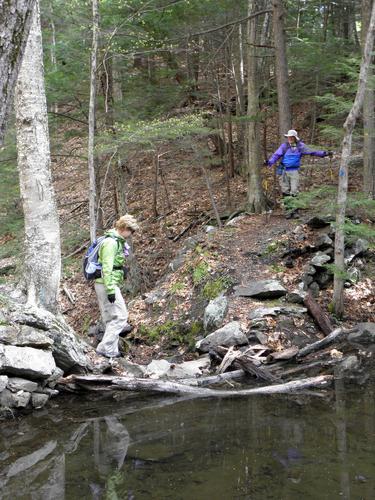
<point x="127" y="329"/>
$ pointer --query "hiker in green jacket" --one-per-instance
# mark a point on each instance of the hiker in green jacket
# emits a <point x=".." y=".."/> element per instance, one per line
<point x="113" y="310"/>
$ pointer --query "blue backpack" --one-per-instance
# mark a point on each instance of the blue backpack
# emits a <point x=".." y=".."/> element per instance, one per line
<point x="92" y="269"/>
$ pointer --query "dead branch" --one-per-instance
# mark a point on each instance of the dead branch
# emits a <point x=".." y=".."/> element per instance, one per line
<point x="333" y="336"/>
<point x="320" y="317"/>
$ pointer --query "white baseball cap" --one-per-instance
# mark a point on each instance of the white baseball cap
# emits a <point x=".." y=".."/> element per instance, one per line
<point x="292" y="133"/>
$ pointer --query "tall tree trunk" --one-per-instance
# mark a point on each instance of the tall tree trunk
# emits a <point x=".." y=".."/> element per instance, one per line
<point x="338" y="292"/>
<point x="368" y="115"/>
<point x="281" y="67"/>
<point x="42" y="267"/>
<point x="54" y="106"/>
<point x="15" y="20"/>
<point x="92" y="106"/>
<point x="255" y="196"/>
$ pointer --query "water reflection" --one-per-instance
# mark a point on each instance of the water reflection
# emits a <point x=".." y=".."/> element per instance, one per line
<point x="140" y="448"/>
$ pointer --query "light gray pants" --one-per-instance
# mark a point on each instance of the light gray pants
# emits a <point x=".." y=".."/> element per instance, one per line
<point x="114" y="317"/>
<point x="289" y="182"/>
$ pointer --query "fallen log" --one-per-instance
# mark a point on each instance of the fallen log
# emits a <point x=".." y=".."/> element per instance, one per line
<point x="214" y="379"/>
<point x="303" y="367"/>
<point x="333" y="336"/>
<point x="320" y="317"/>
<point x="167" y="387"/>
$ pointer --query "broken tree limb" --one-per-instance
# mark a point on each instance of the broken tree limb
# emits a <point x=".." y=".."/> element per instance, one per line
<point x="333" y="336"/>
<point x="320" y="317"/>
<point x="167" y="387"/>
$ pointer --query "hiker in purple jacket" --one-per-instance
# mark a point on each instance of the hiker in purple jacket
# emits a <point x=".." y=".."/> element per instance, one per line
<point x="290" y="154"/>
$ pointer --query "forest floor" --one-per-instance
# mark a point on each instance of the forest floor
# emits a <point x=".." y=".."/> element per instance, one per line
<point x="249" y="249"/>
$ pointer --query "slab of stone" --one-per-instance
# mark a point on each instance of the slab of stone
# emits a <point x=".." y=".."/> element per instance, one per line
<point x="215" y="313"/>
<point x="3" y="382"/>
<point x="265" y="289"/>
<point x="9" y="399"/>
<point x="296" y="296"/>
<point x="359" y="247"/>
<point x="229" y="335"/>
<point x="26" y="362"/>
<point x="38" y="400"/>
<point x="262" y="312"/>
<point x="323" y="241"/>
<point x="25" y="336"/>
<point x="16" y="384"/>
<point x="319" y="222"/>
<point x="320" y="259"/>
<point x="158" y="368"/>
<point x="132" y="369"/>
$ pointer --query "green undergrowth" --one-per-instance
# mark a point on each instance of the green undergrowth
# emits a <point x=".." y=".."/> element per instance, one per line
<point x="172" y="332"/>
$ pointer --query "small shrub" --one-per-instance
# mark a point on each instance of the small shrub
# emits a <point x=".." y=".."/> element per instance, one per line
<point x="214" y="288"/>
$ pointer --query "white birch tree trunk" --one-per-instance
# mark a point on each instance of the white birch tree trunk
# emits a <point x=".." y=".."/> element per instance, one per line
<point x="42" y="266"/>
<point x="338" y="292"/>
<point x="255" y="197"/>
<point x="15" y="18"/>
<point x="92" y="106"/>
<point x="281" y="67"/>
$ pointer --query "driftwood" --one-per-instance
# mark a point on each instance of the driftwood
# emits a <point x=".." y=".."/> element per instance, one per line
<point x="333" y="336"/>
<point x="215" y="379"/>
<point x="304" y="367"/>
<point x="320" y="317"/>
<point x="167" y="387"/>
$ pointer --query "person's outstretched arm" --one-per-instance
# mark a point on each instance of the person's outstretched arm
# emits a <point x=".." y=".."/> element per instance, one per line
<point x="279" y="153"/>
<point x="305" y="150"/>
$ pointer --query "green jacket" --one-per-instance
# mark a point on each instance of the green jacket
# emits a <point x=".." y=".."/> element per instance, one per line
<point x="111" y="256"/>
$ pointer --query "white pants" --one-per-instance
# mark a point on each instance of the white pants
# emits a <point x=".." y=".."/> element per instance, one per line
<point x="114" y="317"/>
<point x="289" y="182"/>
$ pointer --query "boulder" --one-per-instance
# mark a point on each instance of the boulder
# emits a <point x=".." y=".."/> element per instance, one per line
<point x="261" y="312"/>
<point x="26" y="361"/>
<point x="357" y="249"/>
<point x="320" y="259"/>
<point x="39" y="400"/>
<point x="54" y="378"/>
<point x="68" y="350"/>
<point x="265" y="289"/>
<point x="158" y="368"/>
<point x="215" y="313"/>
<point x="319" y="222"/>
<point x="324" y="278"/>
<point x="16" y="384"/>
<point x="310" y="270"/>
<point x="189" y="369"/>
<point x="364" y="335"/>
<point x="10" y="399"/>
<point x="323" y="241"/>
<point x="229" y="335"/>
<point x="7" y="265"/>
<point x="348" y="366"/>
<point x="3" y="382"/>
<point x="296" y="296"/>
<point x="132" y="369"/>
<point x="314" y="289"/>
<point x="24" y="335"/>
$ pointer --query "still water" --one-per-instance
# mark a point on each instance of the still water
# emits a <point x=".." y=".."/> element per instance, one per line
<point x="164" y="448"/>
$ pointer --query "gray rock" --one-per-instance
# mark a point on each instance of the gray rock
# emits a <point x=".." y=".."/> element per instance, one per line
<point x="359" y="247"/>
<point x="26" y="361"/>
<point x="307" y="279"/>
<point x="132" y="369"/>
<point x="319" y="222"/>
<point x="323" y="241"/>
<point x="215" y="313"/>
<point x="261" y="336"/>
<point x="210" y="229"/>
<point x="364" y="335"/>
<point x="314" y="289"/>
<point x="265" y="289"/>
<point x="309" y="270"/>
<point x="55" y="377"/>
<point x="229" y="335"/>
<point x="68" y="350"/>
<point x="25" y="336"/>
<point x="155" y="296"/>
<point x="354" y="275"/>
<point x="51" y="393"/>
<point x="296" y="296"/>
<point x="320" y="259"/>
<point x="39" y="400"/>
<point x="177" y="262"/>
<point x="261" y="312"/>
<point x="16" y="384"/>
<point x="9" y="399"/>
<point x="323" y="279"/>
<point x="7" y="265"/>
<point x="162" y="368"/>
<point x="3" y="382"/>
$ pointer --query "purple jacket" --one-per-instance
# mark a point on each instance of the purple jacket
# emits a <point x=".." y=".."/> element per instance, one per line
<point x="291" y="156"/>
